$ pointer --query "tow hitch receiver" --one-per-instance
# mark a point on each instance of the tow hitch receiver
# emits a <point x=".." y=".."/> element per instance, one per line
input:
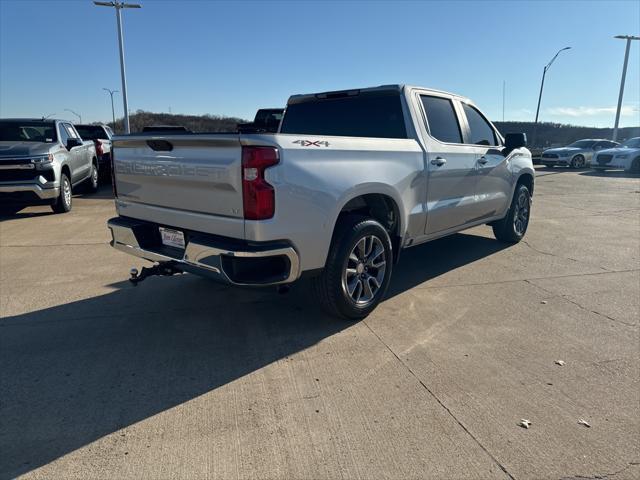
<point x="159" y="269"/>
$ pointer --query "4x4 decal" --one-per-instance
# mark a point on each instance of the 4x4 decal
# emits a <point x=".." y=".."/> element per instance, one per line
<point x="309" y="143"/>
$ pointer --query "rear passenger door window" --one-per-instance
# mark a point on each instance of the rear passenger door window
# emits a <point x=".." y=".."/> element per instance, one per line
<point x="480" y="131"/>
<point x="442" y="120"/>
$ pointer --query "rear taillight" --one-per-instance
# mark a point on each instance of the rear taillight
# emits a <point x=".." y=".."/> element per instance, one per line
<point x="258" y="196"/>
<point x="99" y="149"/>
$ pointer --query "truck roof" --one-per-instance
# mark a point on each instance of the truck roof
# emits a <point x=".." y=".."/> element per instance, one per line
<point x="392" y="88"/>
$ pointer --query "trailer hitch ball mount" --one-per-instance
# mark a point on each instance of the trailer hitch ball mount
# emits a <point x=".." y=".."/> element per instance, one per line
<point x="136" y="276"/>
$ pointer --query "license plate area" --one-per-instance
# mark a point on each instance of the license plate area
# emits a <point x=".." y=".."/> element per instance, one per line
<point x="172" y="238"/>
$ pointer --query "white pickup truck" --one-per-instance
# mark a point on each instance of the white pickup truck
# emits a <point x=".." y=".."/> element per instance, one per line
<point x="349" y="180"/>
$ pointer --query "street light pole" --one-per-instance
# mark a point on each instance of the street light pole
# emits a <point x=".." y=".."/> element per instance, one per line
<point x="504" y="87"/>
<point x="113" y="112"/>
<point x="628" y="38"/>
<point x="544" y="73"/>
<point x="119" y="6"/>
<point x="76" y="114"/>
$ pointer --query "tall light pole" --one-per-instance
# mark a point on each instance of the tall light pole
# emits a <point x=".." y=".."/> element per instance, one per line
<point x="628" y="38"/>
<point x="119" y="6"/>
<point x="504" y="87"/>
<point x="544" y="73"/>
<point x="113" y="112"/>
<point x="76" y="114"/>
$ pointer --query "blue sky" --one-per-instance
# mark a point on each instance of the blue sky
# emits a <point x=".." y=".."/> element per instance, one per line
<point x="231" y="58"/>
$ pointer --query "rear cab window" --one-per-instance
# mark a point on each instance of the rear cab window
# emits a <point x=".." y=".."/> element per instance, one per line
<point x="348" y="114"/>
<point x="89" y="132"/>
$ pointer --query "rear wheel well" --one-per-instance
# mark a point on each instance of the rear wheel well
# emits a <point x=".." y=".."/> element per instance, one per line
<point x="381" y="208"/>
<point x="526" y="179"/>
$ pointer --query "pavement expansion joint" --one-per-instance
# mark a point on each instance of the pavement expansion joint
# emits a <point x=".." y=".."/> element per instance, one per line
<point x="441" y="403"/>
<point x="601" y="476"/>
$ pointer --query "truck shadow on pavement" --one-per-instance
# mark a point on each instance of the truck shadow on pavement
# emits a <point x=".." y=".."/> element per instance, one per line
<point x="73" y="373"/>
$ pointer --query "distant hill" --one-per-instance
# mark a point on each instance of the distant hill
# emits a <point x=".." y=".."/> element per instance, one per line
<point x="549" y="134"/>
<point x="195" y="123"/>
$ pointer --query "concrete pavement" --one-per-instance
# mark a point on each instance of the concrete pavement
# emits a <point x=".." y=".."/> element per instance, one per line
<point x="183" y="378"/>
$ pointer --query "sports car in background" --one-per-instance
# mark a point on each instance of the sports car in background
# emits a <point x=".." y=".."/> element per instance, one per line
<point x="626" y="156"/>
<point x="576" y="155"/>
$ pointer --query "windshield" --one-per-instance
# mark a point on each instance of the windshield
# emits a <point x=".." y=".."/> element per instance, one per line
<point x="91" y="132"/>
<point x="632" y="143"/>
<point x="583" y="144"/>
<point x="34" y="131"/>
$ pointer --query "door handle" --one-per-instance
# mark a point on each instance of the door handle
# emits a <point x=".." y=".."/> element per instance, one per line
<point x="482" y="160"/>
<point x="438" y="161"/>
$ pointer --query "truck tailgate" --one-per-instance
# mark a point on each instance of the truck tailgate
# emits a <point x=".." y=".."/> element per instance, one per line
<point x="199" y="173"/>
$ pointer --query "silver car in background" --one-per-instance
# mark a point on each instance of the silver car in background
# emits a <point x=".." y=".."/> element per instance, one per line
<point x="625" y="156"/>
<point x="576" y="155"/>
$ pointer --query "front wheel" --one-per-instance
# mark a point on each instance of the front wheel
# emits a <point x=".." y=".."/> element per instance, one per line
<point x="93" y="181"/>
<point x="358" y="269"/>
<point x="635" y="165"/>
<point x="514" y="225"/>
<point x="63" y="202"/>
<point x="577" y="162"/>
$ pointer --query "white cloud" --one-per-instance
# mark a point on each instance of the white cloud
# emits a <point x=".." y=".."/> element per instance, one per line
<point x="626" y="111"/>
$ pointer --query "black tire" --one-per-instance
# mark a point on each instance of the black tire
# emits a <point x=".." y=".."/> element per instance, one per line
<point x="93" y="182"/>
<point x="341" y="270"/>
<point x="635" y="165"/>
<point x="578" y="162"/>
<point x="507" y="229"/>
<point x="64" y="201"/>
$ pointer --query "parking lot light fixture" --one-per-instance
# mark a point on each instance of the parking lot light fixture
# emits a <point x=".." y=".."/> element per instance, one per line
<point x="544" y="73"/>
<point x="628" y="38"/>
<point x="119" y="6"/>
<point x="76" y="114"/>
<point x="113" y="112"/>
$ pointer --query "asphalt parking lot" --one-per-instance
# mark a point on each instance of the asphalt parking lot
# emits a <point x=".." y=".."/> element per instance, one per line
<point x="183" y="378"/>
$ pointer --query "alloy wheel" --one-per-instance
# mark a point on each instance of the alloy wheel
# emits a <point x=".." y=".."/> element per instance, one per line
<point x="521" y="214"/>
<point x="66" y="190"/>
<point x="364" y="272"/>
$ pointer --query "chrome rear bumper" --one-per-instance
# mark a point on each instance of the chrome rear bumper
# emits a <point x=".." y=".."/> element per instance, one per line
<point x="258" y="264"/>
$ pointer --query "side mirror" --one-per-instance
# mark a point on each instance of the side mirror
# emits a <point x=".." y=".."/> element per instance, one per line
<point x="515" y="140"/>
<point x="73" y="142"/>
